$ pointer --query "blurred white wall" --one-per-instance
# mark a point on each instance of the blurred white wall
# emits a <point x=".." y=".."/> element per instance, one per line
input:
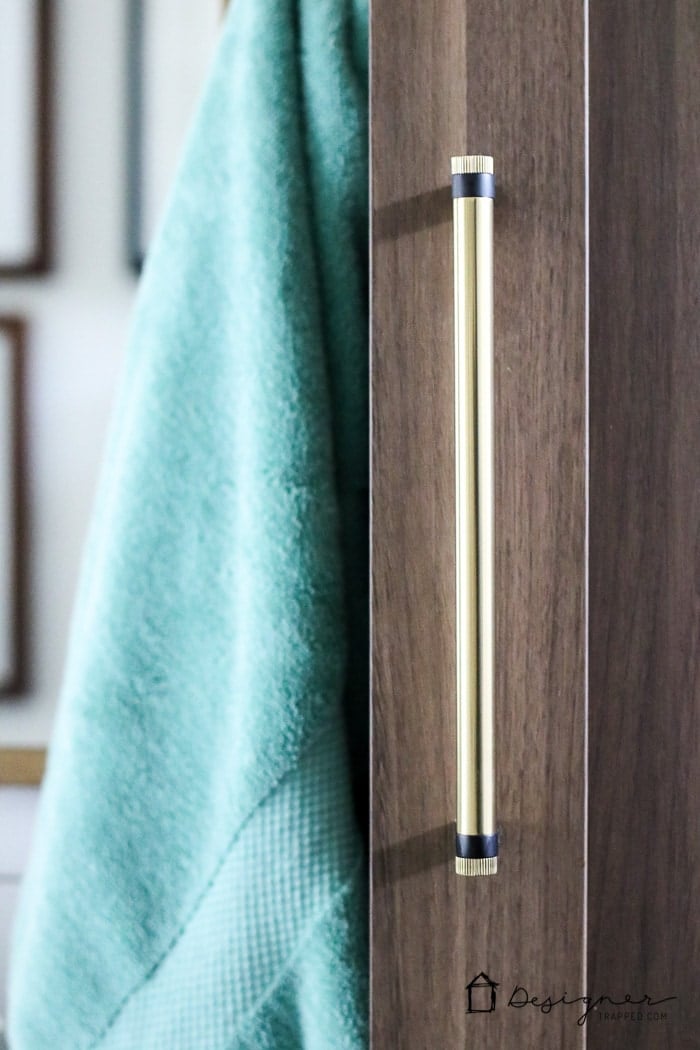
<point x="77" y="317"/>
<point x="77" y="320"/>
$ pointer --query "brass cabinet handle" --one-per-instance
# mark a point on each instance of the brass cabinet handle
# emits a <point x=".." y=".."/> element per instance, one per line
<point x="473" y="191"/>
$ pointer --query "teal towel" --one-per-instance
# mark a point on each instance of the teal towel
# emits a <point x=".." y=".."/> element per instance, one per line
<point x="199" y="875"/>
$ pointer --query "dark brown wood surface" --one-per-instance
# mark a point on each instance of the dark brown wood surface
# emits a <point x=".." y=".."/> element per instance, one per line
<point x="644" y="843"/>
<point x="452" y="78"/>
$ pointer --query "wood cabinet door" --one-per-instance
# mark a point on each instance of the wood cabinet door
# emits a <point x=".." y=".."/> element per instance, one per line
<point x="592" y="113"/>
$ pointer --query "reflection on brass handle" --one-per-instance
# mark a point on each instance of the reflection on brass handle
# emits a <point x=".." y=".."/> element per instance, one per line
<point x="473" y="191"/>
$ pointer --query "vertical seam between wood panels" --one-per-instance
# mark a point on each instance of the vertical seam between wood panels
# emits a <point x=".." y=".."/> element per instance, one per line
<point x="586" y="484"/>
<point x="370" y="516"/>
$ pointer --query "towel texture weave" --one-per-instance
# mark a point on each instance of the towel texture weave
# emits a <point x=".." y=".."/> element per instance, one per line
<point x="198" y="877"/>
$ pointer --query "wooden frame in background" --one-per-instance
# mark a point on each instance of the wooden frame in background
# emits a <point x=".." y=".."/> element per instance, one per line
<point x="22" y="765"/>
<point x="17" y="765"/>
<point x="12" y="507"/>
<point x="25" y="74"/>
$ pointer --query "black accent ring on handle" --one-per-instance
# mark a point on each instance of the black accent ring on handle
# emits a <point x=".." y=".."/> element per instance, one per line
<point x="474" y="184"/>
<point x="475" y="847"/>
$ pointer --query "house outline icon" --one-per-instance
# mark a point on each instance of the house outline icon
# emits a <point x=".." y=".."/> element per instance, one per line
<point x="482" y="980"/>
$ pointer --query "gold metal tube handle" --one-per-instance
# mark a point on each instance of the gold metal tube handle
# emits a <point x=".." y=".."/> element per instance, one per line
<point x="473" y="192"/>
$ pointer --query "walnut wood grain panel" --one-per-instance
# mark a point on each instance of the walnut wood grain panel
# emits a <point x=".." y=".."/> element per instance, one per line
<point x="448" y="78"/>
<point x="644" y="850"/>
